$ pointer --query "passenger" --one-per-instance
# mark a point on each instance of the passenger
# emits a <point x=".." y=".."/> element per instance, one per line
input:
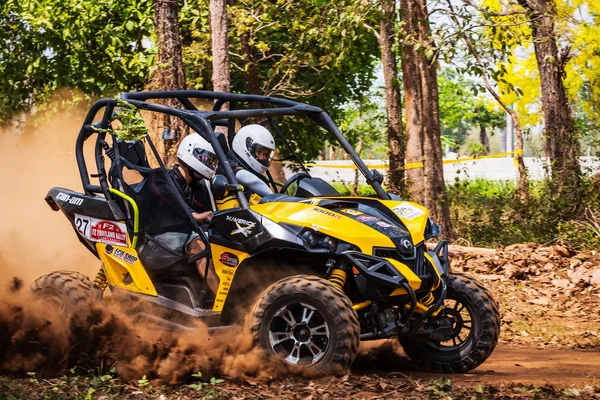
<point x="252" y="151"/>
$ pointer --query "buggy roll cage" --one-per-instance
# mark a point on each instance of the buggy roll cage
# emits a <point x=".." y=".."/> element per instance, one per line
<point x="203" y="122"/>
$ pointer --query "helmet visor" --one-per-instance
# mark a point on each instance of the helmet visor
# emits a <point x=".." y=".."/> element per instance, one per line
<point x="262" y="154"/>
<point x="206" y="157"/>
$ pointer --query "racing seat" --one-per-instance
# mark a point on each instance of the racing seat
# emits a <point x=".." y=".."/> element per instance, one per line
<point x="158" y="207"/>
<point x="160" y="210"/>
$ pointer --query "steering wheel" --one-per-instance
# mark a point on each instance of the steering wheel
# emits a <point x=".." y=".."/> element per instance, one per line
<point x="294" y="178"/>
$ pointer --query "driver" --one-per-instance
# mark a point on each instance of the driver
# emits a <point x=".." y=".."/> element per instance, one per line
<point x="252" y="151"/>
<point x="197" y="164"/>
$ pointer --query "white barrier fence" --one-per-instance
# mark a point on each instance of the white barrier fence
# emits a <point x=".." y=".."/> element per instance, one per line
<point x="499" y="169"/>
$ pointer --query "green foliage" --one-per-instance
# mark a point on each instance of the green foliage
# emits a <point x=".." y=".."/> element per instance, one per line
<point x="489" y="213"/>
<point x="363" y="123"/>
<point x="455" y="101"/>
<point x="144" y="383"/>
<point x="461" y="110"/>
<point x="440" y="388"/>
<point x="475" y="149"/>
<point x="201" y="383"/>
<point x="345" y="190"/>
<point x="132" y="125"/>
<point x="91" y="46"/>
<point x="315" y="52"/>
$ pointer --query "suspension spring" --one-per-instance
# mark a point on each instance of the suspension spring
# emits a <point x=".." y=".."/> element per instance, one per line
<point x="427" y="300"/>
<point x="338" y="278"/>
<point x="100" y="282"/>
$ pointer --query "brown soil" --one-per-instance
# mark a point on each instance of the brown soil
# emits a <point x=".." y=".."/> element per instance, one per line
<point x="507" y="364"/>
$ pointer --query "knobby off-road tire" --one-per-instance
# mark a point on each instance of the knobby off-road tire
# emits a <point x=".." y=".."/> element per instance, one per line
<point x="70" y="291"/>
<point x="477" y="347"/>
<point x="299" y="307"/>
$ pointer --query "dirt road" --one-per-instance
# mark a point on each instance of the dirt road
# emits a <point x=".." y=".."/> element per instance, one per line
<point x="572" y="374"/>
<point x="559" y="367"/>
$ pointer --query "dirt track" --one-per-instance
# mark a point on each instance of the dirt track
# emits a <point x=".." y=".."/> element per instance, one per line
<point x="508" y="364"/>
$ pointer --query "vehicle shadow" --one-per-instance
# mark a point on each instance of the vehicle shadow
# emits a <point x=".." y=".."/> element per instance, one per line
<point x="382" y="356"/>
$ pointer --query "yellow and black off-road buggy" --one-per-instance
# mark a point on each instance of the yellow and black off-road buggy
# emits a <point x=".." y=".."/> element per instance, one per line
<point x="327" y="271"/>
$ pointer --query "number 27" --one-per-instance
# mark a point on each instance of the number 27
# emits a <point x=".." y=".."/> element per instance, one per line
<point x="81" y="223"/>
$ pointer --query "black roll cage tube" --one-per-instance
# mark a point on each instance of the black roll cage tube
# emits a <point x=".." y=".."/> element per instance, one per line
<point x="200" y="122"/>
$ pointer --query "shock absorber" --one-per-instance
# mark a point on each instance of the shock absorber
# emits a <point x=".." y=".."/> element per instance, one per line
<point x="427" y="300"/>
<point x="100" y="282"/>
<point x="337" y="275"/>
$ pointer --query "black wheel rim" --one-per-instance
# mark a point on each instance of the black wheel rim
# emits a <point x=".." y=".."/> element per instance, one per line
<point x="461" y="316"/>
<point x="299" y="334"/>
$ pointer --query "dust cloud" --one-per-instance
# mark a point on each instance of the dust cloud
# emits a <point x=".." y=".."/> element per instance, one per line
<point x="98" y="338"/>
<point x="34" y="240"/>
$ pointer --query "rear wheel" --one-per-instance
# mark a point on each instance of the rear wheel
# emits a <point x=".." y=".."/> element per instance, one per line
<point x="475" y="320"/>
<point x="306" y="321"/>
<point x="66" y="291"/>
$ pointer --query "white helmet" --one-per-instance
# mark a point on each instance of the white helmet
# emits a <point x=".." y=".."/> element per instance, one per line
<point x="197" y="154"/>
<point x="255" y="145"/>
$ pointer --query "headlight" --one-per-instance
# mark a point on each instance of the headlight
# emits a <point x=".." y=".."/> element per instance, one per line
<point x="319" y="241"/>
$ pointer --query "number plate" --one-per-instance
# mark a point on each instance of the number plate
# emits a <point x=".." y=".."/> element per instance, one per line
<point x="99" y="230"/>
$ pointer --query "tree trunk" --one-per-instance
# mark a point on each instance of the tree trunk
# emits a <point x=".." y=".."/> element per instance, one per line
<point x="412" y="95"/>
<point x="483" y="138"/>
<point x="220" y="50"/>
<point x="562" y="141"/>
<point x="252" y="78"/>
<point x="393" y="99"/>
<point x="422" y="113"/>
<point x="169" y="76"/>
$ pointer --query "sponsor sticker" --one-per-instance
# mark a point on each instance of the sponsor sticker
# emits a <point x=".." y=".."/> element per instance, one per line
<point x="351" y="211"/>
<point x="366" y="218"/>
<point x="99" y="230"/>
<point x="383" y="224"/>
<point x="123" y="255"/>
<point x="229" y="259"/>
<point x="407" y="211"/>
<point x="109" y="232"/>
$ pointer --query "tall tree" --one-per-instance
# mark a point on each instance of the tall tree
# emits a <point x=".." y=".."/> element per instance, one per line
<point x="419" y="70"/>
<point x="220" y="46"/>
<point x="220" y="50"/>
<point x="393" y="100"/>
<point x="169" y="75"/>
<point x="562" y="139"/>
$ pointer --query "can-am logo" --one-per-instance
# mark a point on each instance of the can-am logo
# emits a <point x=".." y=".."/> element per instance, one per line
<point x="229" y="259"/>
<point x="243" y="226"/>
<point x="76" y="201"/>
<point x="108" y="231"/>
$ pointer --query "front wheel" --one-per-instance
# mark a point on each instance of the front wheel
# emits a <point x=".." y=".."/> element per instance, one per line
<point x="306" y="321"/>
<point x="475" y="320"/>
